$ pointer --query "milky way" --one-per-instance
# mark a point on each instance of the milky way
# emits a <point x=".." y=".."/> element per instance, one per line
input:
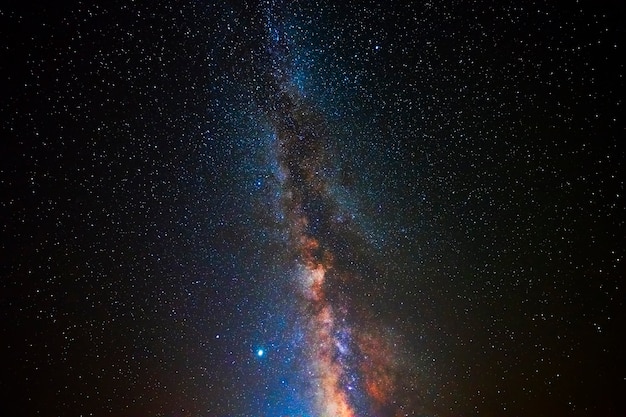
<point x="312" y="208"/>
<point x="350" y="364"/>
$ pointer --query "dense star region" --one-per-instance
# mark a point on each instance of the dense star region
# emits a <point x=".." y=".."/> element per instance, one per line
<point x="350" y="367"/>
<point x="312" y="209"/>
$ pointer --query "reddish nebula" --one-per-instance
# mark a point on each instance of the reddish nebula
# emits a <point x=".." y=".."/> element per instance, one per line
<point x="376" y="368"/>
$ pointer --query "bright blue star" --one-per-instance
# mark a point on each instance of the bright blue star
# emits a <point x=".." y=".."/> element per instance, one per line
<point x="260" y="353"/>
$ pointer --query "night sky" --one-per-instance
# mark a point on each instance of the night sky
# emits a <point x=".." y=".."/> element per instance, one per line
<point x="312" y="209"/>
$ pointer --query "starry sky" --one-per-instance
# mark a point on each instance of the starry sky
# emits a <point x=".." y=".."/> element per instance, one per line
<point x="312" y="208"/>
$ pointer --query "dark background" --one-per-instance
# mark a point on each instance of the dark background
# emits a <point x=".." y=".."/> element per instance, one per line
<point x="477" y="146"/>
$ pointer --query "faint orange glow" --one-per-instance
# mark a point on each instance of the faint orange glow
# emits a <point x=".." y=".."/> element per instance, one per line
<point x="308" y="248"/>
<point x="376" y="368"/>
